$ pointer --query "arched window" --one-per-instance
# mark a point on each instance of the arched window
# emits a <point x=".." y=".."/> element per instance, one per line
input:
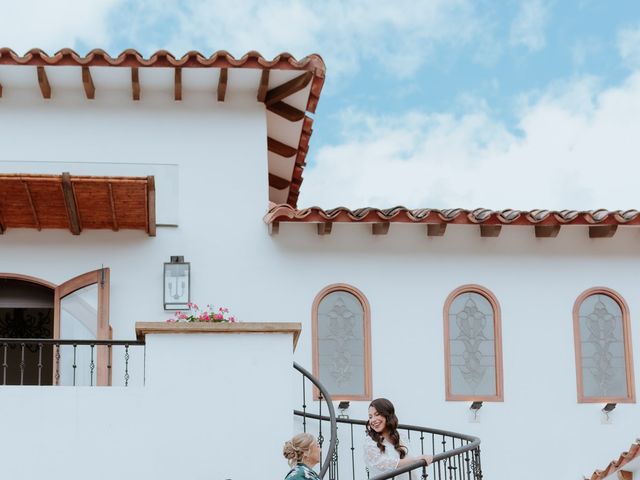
<point x="342" y="342"/>
<point x="602" y="337"/>
<point x="472" y="345"/>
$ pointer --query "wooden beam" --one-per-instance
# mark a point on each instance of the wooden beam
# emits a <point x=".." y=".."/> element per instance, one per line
<point x="177" y="80"/>
<point x="288" y="88"/>
<point x="489" y="231"/>
<point x="602" y="231"/>
<point x="87" y="82"/>
<point x="114" y="218"/>
<point x="547" y="231"/>
<point x="324" y="228"/>
<point x="280" y="148"/>
<point x="286" y="111"/>
<point x="436" y="229"/>
<point x="264" y="85"/>
<point x="222" y="84"/>
<point x="70" y="202"/>
<point x="0" y="90"/>
<point x="625" y="475"/>
<point x="274" y="228"/>
<point x="43" y="81"/>
<point x="381" y="228"/>
<point x="277" y="182"/>
<point x="3" y="225"/>
<point x="32" y="205"/>
<point x="151" y="206"/>
<point x="135" y="83"/>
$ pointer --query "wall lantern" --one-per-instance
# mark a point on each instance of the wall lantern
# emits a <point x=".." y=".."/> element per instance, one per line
<point x="177" y="284"/>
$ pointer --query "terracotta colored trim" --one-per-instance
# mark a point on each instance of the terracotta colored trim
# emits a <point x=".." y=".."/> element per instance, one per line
<point x="286" y="111"/>
<point x="497" y="329"/>
<point x="87" y="82"/>
<point x="617" y="464"/>
<point x="625" y="475"/>
<point x="264" y="85"/>
<point x="278" y="183"/>
<point x="177" y="81"/>
<point x="628" y="350"/>
<point x="148" y="328"/>
<point x="43" y="82"/>
<point x="287" y="89"/>
<point x="343" y="287"/>
<point x="280" y="148"/>
<point x="222" y="84"/>
<point x="151" y="206"/>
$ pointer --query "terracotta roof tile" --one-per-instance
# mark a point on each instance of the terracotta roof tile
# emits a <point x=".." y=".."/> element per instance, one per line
<point x="621" y="461"/>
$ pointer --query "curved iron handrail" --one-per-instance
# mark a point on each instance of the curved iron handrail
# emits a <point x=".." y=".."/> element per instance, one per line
<point x="331" y="418"/>
<point x="474" y="443"/>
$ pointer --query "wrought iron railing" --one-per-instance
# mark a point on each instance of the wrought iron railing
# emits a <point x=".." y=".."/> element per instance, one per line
<point x="456" y="456"/>
<point x="45" y="361"/>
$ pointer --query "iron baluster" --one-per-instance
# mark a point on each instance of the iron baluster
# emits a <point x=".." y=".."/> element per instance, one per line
<point x="22" y="364"/>
<point x="39" y="363"/>
<point x="109" y="364"/>
<point x="75" y="348"/>
<point x="5" y="346"/>
<point x="126" y="365"/>
<point x="353" y="458"/>
<point x="320" y="437"/>
<point x="304" y="405"/>
<point x="57" y="356"/>
<point x="92" y="366"/>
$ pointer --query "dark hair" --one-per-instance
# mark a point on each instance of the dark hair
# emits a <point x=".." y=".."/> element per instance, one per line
<point x="385" y="408"/>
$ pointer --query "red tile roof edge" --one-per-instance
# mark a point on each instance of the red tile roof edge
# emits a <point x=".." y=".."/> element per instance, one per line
<point x="615" y="465"/>
<point x="287" y="213"/>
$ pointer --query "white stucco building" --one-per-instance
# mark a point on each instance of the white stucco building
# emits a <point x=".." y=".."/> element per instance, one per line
<point x="113" y="165"/>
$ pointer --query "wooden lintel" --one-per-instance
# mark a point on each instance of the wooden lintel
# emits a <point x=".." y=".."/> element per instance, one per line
<point x="602" y="231"/>
<point x="280" y="148"/>
<point x="277" y="182"/>
<point x="151" y="206"/>
<point x="490" y="230"/>
<point x="625" y="475"/>
<point x="43" y="81"/>
<point x="87" y="83"/>
<point x="135" y="83"/>
<point x="222" y="84"/>
<point x="177" y="80"/>
<point x="274" y="228"/>
<point x="380" y="228"/>
<point x="264" y="85"/>
<point x="436" y="229"/>
<point x="32" y="205"/>
<point x="324" y="228"/>
<point x="112" y="203"/>
<point x="547" y="231"/>
<point x="286" y="111"/>
<point x="288" y="88"/>
<point x="0" y="90"/>
<point x="70" y="203"/>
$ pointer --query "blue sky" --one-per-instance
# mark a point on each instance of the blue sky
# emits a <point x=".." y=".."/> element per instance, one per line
<point x="440" y="103"/>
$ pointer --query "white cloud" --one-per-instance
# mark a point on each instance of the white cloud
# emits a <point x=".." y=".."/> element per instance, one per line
<point x="52" y="25"/>
<point x="399" y="35"/>
<point x="528" y="28"/>
<point x="629" y="46"/>
<point x="577" y="150"/>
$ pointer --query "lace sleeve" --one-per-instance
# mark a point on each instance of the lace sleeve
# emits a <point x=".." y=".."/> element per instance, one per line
<point x="373" y="457"/>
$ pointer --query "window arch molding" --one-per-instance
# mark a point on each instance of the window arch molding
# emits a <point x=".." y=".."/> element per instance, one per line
<point x="628" y="351"/>
<point x="497" y="331"/>
<point x="366" y="324"/>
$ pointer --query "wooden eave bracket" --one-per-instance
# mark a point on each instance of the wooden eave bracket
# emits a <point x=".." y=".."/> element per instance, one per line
<point x="222" y="84"/>
<point x="177" y="80"/>
<point x="602" y="231"/>
<point x="625" y="475"/>
<point x="87" y="83"/>
<point x="277" y="182"/>
<point x="324" y="228"/>
<point x="490" y="231"/>
<point x="286" y="111"/>
<point x="264" y="86"/>
<point x="70" y="202"/>
<point x="288" y="88"/>
<point x="43" y="82"/>
<point x="547" y="231"/>
<point x="280" y="148"/>
<point x="151" y="206"/>
<point x="274" y="228"/>
<point x="135" y="83"/>
<point x="380" y="228"/>
<point x="436" y="229"/>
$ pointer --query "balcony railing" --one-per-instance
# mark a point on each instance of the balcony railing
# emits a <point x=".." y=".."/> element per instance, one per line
<point x="40" y="361"/>
<point x="456" y="456"/>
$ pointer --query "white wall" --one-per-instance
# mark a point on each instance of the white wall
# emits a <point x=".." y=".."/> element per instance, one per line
<point x="178" y="426"/>
<point x="221" y="153"/>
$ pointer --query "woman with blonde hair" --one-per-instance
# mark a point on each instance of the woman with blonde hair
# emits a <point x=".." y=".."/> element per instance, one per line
<point x="302" y="452"/>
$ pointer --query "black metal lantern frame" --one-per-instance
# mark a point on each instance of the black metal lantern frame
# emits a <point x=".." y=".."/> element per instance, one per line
<point x="177" y="284"/>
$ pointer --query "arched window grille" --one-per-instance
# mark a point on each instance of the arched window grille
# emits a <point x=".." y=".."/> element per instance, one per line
<point x="473" y="345"/>
<point x="342" y="342"/>
<point x="602" y="336"/>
